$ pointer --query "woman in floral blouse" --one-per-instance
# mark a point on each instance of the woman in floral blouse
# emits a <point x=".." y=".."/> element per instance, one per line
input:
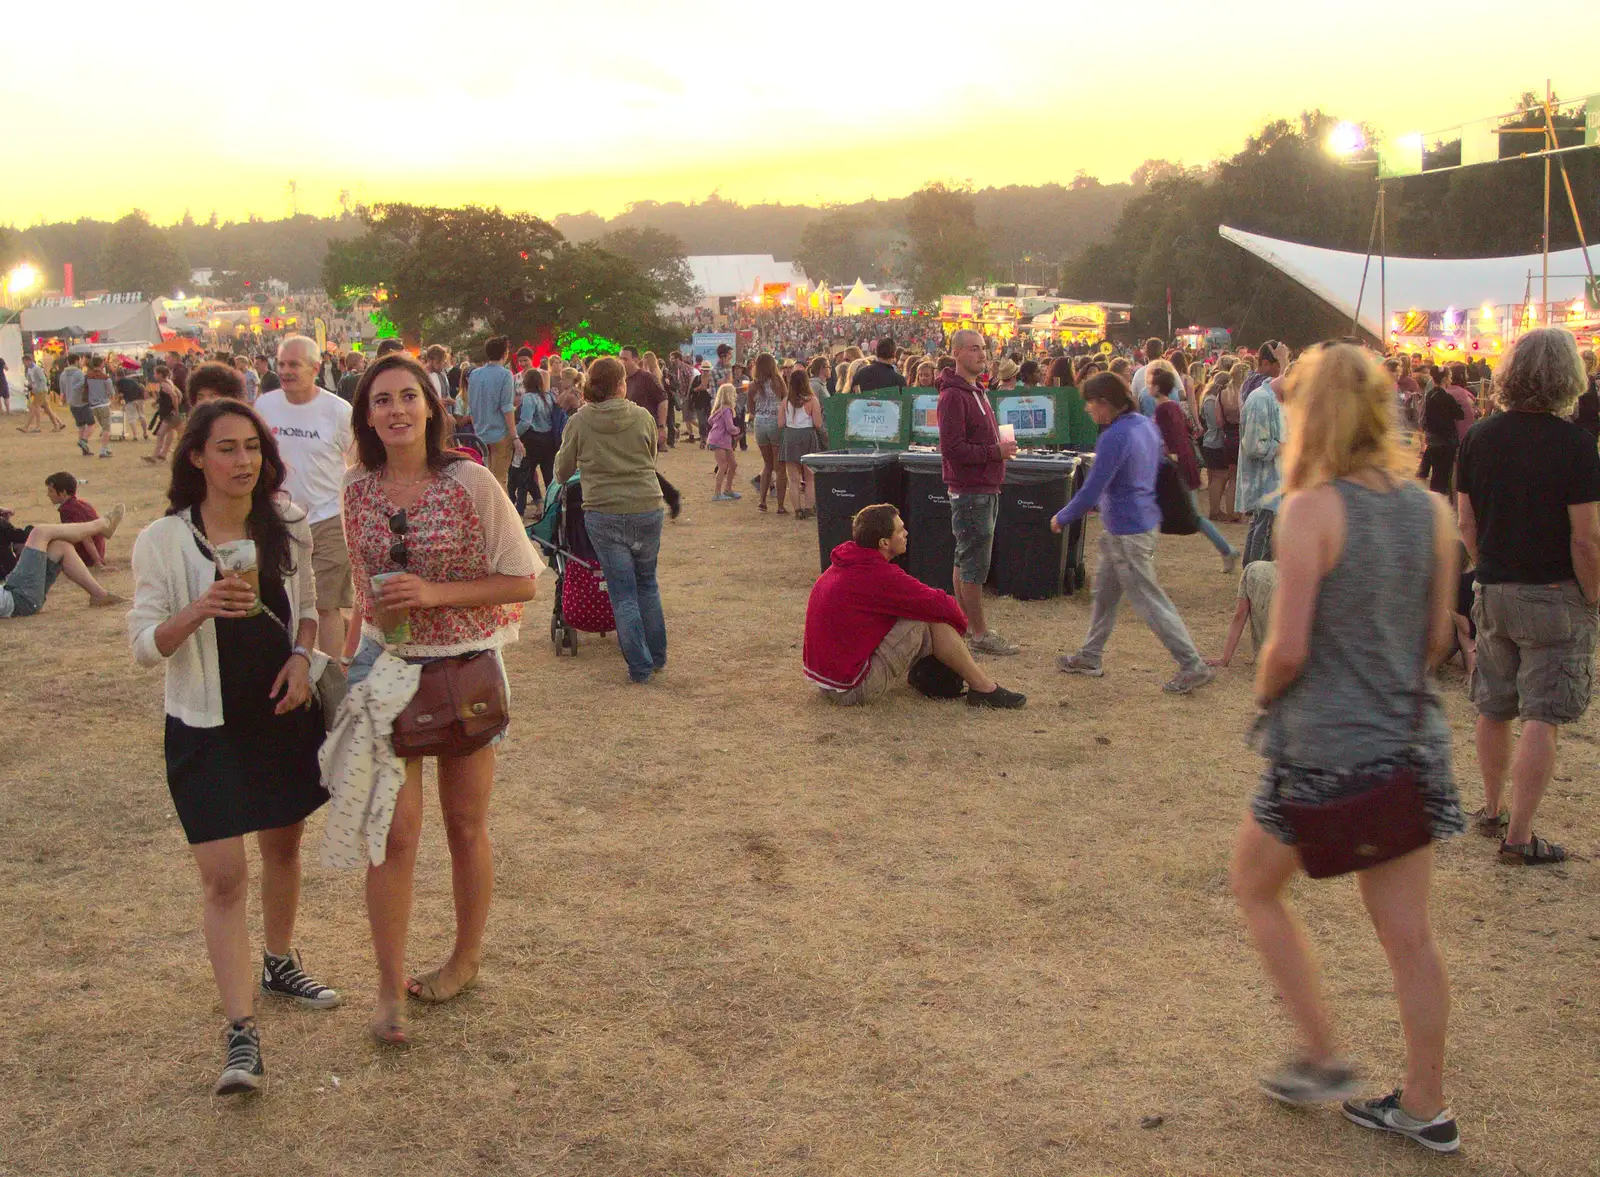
<point x="464" y="567"/>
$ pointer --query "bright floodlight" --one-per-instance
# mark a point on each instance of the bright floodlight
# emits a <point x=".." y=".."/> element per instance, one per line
<point x="24" y="277"/>
<point x="1346" y="139"/>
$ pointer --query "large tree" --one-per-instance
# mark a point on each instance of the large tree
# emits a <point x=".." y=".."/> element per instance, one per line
<point x="140" y="257"/>
<point x="835" y="248"/>
<point x="948" y="251"/>
<point x="658" y="254"/>
<point x="513" y="272"/>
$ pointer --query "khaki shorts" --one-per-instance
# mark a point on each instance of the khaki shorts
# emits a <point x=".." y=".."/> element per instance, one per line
<point x="901" y="646"/>
<point x="1535" y="651"/>
<point x="102" y="415"/>
<point x="330" y="564"/>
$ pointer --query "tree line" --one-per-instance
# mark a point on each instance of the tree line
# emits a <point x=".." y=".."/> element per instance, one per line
<point x="1126" y="242"/>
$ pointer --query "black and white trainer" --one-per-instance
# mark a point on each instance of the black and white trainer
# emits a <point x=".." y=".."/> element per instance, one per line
<point x="1386" y="1115"/>
<point x="1303" y="1082"/>
<point x="242" y="1071"/>
<point x="282" y="976"/>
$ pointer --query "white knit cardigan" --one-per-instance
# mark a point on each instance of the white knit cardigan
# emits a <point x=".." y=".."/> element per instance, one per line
<point x="169" y="574"/>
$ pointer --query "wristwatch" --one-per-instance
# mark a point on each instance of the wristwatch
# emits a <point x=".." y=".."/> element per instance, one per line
<point x="303" y="652"/>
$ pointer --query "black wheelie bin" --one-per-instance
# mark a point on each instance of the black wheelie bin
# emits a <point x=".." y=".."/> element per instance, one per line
<point x="931" y="551"/>
<point x="844" y="482"/>
<point x="1031" y="562"/>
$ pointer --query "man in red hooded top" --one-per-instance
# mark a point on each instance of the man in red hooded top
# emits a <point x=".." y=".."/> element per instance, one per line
<point x="869" y="622"/>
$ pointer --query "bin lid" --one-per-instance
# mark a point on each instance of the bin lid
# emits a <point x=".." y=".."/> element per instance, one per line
<point x="922" y="461"/>
<point x="1041" y="469"/>
<point x="848" y="460"/>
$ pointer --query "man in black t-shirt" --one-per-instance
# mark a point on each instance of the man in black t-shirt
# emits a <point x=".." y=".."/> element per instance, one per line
<point x="1529" y="482"/>
<point x="881" y="372"/>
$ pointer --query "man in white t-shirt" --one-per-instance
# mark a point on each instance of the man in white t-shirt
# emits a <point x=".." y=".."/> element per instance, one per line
<point x="312" y="428"/>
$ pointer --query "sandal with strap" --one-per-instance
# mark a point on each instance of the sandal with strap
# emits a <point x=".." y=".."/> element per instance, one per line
<point x="1534" y="852"/>
<point x="389" y="1031"/>
<point x="1491" y="827"/>
<point x="427" y="988"/>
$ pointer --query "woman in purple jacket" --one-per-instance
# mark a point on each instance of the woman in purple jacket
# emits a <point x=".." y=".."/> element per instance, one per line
<point x="1123" y="485"/>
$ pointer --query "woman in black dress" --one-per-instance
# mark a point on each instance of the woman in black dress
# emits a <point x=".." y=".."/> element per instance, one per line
<point x="241" y="735"/>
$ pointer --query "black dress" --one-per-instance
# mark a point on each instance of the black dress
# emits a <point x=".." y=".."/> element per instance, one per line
<point x="258" y="771"/>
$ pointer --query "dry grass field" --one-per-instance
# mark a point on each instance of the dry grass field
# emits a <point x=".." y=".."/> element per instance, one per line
<point x="740" y="932"/>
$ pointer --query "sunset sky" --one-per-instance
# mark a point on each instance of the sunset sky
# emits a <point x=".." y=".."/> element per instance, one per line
<point x="558" y="107"/>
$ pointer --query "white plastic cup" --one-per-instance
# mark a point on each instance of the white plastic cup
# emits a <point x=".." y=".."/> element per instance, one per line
<point x="239" y="558"/>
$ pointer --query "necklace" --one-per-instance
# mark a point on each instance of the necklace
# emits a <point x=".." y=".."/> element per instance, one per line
<point x="397" y="484"/>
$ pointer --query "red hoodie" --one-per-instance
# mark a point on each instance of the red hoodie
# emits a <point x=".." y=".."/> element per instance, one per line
<point x="969" y="437"/>
<point x="854" y="605"/>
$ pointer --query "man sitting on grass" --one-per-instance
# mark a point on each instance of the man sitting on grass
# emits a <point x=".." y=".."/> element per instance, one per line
<point x="47" y="553"/>
<point x="61" y="488"/>
<point x="869" y="623"/>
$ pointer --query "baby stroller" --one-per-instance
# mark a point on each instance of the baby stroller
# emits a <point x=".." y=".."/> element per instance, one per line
<point x="582" y="605"/>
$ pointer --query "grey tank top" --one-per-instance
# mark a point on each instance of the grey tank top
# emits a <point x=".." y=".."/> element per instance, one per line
<point x="1357" y="697"/>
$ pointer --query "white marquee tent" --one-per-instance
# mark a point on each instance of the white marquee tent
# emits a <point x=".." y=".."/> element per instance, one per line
<point x="1432" y="284"/>
<point x="731" y="274"/>
<point x="116" y="322"/>
<point x="861" y="299"/>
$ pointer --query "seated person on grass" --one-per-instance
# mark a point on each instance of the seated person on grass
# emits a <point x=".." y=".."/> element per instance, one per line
<point x="870" y="623"/>
<point x="1256" y="586"/>
<point x="61" y="488"/>
<point x="48" y="552"/>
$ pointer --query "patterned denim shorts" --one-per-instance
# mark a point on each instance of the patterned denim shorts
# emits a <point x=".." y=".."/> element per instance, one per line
<point x="1317" y="786"/>
<point x="972" y="518"/>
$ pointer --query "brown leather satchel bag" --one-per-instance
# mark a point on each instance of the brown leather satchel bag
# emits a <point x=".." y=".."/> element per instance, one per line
<point x="460" y="705"/>
<point x="1353" y="833"/>
<point x="1385" y="820"/>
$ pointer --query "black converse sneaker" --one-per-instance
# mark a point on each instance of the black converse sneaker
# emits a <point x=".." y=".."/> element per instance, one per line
<point x="1386" y="1115"/>
<point x="242" y="1072"/>
<point x="282" y="976"/>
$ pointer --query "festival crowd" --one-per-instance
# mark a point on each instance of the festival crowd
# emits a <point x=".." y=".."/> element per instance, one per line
<point x="346" y="552"/>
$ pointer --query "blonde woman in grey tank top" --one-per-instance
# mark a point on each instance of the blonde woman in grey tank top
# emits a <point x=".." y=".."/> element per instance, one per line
<point x="1366" y="576"/>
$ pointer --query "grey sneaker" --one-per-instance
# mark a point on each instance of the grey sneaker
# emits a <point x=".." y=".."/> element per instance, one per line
<point x="1189" y="680"/>
<point x="1386" y="1115"/>
<point x="1229" y="563"/>
<point x="1078" y="664"/>
<point x="992" y="643"/>
<point x="1302" y="1082"/>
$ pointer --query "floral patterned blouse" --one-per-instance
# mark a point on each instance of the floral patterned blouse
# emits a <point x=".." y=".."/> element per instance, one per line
<point x="461" y="527"/>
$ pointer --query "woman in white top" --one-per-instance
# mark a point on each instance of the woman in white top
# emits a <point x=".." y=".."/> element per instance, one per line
<point x="241" y="740"/>
<point x="802" y="422"/>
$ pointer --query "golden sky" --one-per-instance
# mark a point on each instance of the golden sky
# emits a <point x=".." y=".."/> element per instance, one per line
<point x="557" y="107"/>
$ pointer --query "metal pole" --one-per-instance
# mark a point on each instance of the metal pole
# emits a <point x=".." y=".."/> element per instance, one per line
<point x="1572" y="203"/>
<point x="1383" y="272"/>
<point x="1372" y="238"/>
<point x="1549" y="146"/>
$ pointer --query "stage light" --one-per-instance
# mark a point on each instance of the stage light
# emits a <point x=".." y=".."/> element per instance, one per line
<point x="1346" y="139"/>
<point x="23" y="278"/>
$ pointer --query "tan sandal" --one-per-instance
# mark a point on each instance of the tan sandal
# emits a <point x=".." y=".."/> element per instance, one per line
<point x="426" y="988"/>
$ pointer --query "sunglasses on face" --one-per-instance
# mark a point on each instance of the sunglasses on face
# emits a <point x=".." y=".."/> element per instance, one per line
<point x="399" y="528"/>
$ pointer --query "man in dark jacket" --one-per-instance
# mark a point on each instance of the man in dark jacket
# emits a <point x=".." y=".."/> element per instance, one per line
<point x="881" y="372"/>
<point x="869" y="622"/>
<point x="974" y="467"/>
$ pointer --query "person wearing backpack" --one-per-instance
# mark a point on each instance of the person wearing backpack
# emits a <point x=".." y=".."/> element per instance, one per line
<point x="540" y="421"/>
<point x="1122" y="485"/>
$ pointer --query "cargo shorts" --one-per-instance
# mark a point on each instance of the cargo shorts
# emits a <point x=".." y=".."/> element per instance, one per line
<point x="972" y="519"/>
<point x="906" y="642"/>
<point x="330" y="565"/>
<point x="1536" y="646"/>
